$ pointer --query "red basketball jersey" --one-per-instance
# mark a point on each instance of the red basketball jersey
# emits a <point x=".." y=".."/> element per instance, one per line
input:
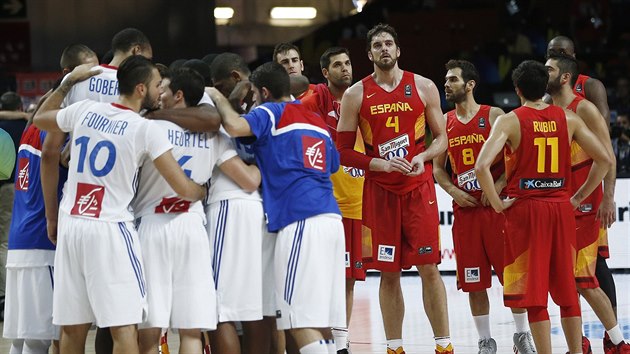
<point x="580" y="167"/>
<point x="541" y="165"/>
<point x="580" y="86"/>
<point x="393" y="124"/>
<point x="464" y="143"/>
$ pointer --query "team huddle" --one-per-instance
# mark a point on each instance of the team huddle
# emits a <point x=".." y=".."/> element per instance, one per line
<point x="152" y="200"/>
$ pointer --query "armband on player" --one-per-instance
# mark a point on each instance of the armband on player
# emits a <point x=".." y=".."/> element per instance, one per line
<point x="350" y="157"/>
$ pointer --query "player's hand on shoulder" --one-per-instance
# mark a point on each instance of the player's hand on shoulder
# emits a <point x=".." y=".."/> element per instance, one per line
<point x="83" y="72"/>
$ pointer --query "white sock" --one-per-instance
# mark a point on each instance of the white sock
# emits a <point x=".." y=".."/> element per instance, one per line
<point x="443" y="341"/>
<point x="317" y="347"/>
<point x="482" y="323"/>
<point x="394" y="343"/>
<point x="332" y="346"/>
<point x="521" y="323"/>
<point x="615" y="335"/>
<point x="341" y="338"/>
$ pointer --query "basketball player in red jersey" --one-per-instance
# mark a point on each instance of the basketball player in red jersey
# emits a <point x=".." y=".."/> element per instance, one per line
<point x="348" y="181"/>
<point x="400" y="218"/>
<point x="539" y="228"/>
<point x="288" y="55"/>
<point x="593" y="90"/>
<point x="562" y="74"/>
<point x="477" y="236"/>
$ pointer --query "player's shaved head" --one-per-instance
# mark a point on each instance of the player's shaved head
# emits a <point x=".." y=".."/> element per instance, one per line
<point x="561" y="45"/>
<point x="75" y="55"/>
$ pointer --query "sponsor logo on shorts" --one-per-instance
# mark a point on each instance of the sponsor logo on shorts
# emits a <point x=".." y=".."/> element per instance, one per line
<point x="358" y="264"/>
<point x="472" y="275"/>
<point x="22" y="177"/>
<point x="278" y="314"/>
<point x="396" y="147"/>
<point x="347" y="259"/>
<point x="386" y="253"/>
<point x="172" y="205"/>
<point x="425" y="250"/>
<point x="585" y="208"/>
<point x="314" y="153"/>
<point x="541" y="183"/>
<point x="89" y="200"/>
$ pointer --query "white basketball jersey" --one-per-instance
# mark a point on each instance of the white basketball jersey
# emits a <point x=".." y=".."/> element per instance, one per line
<point x="101" y="88"/>
<point x="223" y="187"/>
<point x="109" y="141"/>
<point x="197" y="154"/>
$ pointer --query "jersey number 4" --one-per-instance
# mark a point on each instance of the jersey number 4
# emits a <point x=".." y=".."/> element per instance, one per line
<point x="541" y="144"/>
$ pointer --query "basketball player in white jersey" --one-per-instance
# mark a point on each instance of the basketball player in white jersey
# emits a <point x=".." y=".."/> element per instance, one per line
<point x="98" y="265"/>
<point x="102" y="87"/>
<point x="173" y="237"/>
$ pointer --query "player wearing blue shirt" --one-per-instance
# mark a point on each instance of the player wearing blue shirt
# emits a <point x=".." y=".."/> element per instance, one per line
<point x="296" y="157"/>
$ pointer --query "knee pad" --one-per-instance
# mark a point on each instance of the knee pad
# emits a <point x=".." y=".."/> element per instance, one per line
<point x="537" y="314"/>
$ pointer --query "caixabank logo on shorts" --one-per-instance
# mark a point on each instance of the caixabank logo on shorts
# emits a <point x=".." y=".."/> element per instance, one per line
<point x="386" y="253"/>
<point x="472" y="275"/>
<point x="541" y="183"/>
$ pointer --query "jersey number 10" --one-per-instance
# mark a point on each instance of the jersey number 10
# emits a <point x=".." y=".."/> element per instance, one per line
<point x="110" y="149"/>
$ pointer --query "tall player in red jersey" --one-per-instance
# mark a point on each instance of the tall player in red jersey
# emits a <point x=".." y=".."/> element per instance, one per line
<point x="562" y="74"/>
<point x="594" y="91"/>
<point x="348" y="181"/>
<point x="400" y="219"/>
<point x="540" y="228"/>
<point x="477" y="236"/>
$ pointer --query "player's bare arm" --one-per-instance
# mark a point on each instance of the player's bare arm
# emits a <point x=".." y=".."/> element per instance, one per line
<point x="13" y="115"/>
<point x="504" y="131"/>
<point x="242" y="97"/>
<point x="233" y="123"/>
<point x="593" y="119"/>
<point x="46" y="116"/>
<point x="347" y="133"/>
<point x="501" y="182"/>
<point x="596" y="93"/>
<point x="49" y="170"/>
<point x="246" y="176"/>
<point x="460" y="197"/>
<point x="51" y="148"/>
<point x="434" y="118"/>
<point x="590" y="143"/>
<point x="177" y="179"/>
<point x="202" y="118"/>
